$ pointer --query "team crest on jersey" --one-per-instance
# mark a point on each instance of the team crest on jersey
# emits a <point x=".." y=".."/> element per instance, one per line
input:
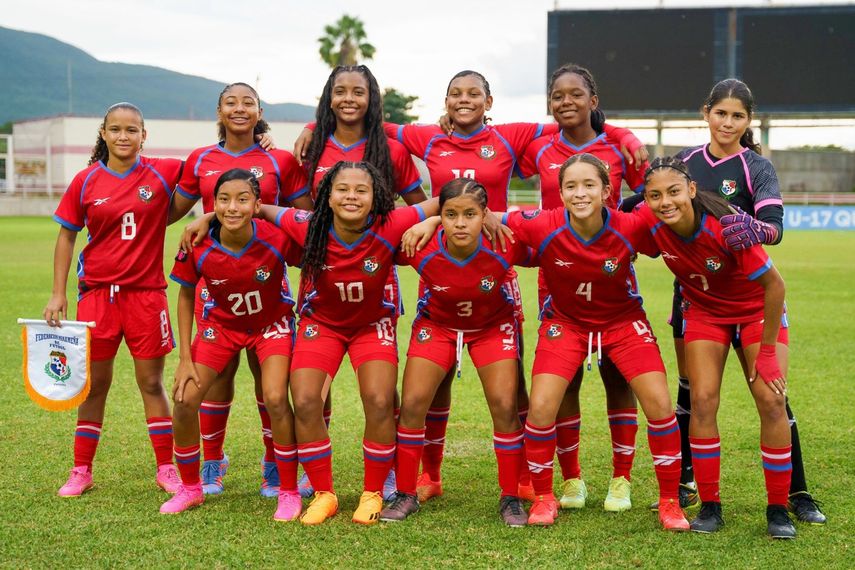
<point x="728" y="188"/>
<point x="370" y="265"/>
<point x="209" y="334"/>
<point x="181" y="255"/>
<point x="487" y="284"/>
<point x="57" y="366"/>
<point x="554" y="331"/>
<point x="311" y="331"/>
<point x="204" y="294"/>
<point x="423" y="335"/>
<point x="262" y="273"/>
<point x="257" y="171"/>
<point x="610" y="266"/>
<point x="530" y="214"/>
<point x="145" y="193"/>
<point x="713" y="264"/>
<point x="487" y="152"/>
<point x="302" y="216"/>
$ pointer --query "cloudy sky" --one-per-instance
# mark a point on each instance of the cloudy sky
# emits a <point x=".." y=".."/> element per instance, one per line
<point x="420" y="45"/>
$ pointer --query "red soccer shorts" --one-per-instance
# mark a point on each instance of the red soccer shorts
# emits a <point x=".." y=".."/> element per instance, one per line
<point x="140" y="316"/>
<point x="323" y="347"/>
<point x="747" y="333"/>
<point x="562" y="347"/>
<point x="438" y="344"/>
<point x="215" y="345"/>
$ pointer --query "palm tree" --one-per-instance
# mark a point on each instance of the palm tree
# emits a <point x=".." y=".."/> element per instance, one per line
<point x="343" y="43"/>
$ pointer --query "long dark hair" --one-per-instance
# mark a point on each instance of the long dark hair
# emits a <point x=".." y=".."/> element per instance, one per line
<point x="735" y="89"/>
<point x="100" y="152"/>
<point x="228" y="176"/>
<point x="376" y="146"/>
<point x="315" y="247"/>
<point x="261" y="126"/>
<point x="598" y="118"/>
<point x="704" y="202"/>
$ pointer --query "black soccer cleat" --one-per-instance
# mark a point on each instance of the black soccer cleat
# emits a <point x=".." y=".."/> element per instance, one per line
<point x="709" y="519"/>
<point x="778" y="522"/>
<point x="806" y="508"/>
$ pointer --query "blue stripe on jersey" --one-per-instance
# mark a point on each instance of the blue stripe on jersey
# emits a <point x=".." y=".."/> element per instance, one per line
<point x="202" y="259"/>
<point x="766" y="267"/>
<point x="347" y="148"/>
<point x="400" y="135"/>
<point x="349" y="245"/>
<point x="222" y="148"/>
<point x="275" y="252"/>
<point x="411" y="187"/>
<point x="541" y="151"/>
<point x="301" y="192"/>
<point x="582" y="147"/>
<point x="427" y="150"/>
<point x="279" y="215"/>
<point x="497" y="257"/>
<point x="539" y="131"/>
<point x="181" y="281"/>
<point x="85" y="182"/>
<point x="236" y="255"/>
<point x="694" y="236"/>
<point x="507" y="145"/>
<point x="470" y="135"/>
<point x="655" y="228"/>
<point x="622" y="238"/>
<point x="384" y="242"/>
<point x="166" y="187"/>
<point x="448" y="256"/>
<point x="619" y="155"/>
<point x="185" y="193"/>
<point x="582" y="240"/>
<point x="118" y="175"/>
<point x="549" y="238"/>
<point x="421" y="211"/>
<point x="202" y="155"/>
<point x="278" y="174"/>
<point x="427" y="258"/>
<point x="66" y="224"/>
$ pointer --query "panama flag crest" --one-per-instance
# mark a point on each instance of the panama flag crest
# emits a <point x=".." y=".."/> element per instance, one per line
<point x="56" y="363"/>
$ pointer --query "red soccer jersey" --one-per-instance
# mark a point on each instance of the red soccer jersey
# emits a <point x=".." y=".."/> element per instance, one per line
<point x="718" y="285"/>
<point x="590" y="282"/>
<point x="546" y="155"/>
<point x="280" y="177"/>
<point x="349" y="292"/>
<point x="247" y="290"/>
<point x="470" y="294"/>
<point x="407" y="176"/>
<point x="489" y="155"/>
<point x="126" y="216"/>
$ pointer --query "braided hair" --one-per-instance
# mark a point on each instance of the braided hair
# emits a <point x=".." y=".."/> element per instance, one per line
<point x="735" y="89"/>
<point x="376" y="145"/>
<point x="100" y="152"/>
<point x="598" y="117"/>
<point x="463" y="187"/>
<point x="228" y="176"/>
<point x="315" y="247"/>
<point x="465" y="73"/>
<point x="261" y="126"/>
<point x="704" y="202"/>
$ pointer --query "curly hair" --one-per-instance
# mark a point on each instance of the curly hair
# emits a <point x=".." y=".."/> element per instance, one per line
<point x="315" y="247"/>
<point x="100" y="152"/>
<point x="261" y="126"/>
<point x="376" y="145"/>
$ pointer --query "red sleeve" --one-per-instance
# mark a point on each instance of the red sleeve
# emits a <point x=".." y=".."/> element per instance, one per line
<point x="188" y="185"/>
<point x="294" y="182"/>
<point x="415" y="138"/>
<point x="398" y="222"/>
<point x="523" y="255"/>
<point x="528" y="160"/>
<point x="295" y="223"/>
<point x="524" y="224"/>
<point x="170" y="168"/>
<point x="184" y="269"/>
<point x="520" y="135"/>
<point x="638" y="232"/>
<point x="407" y="177"/>
<point x="635" y="176"/>
<point x="624" y="137"/>
<point x="753" y="261"/>
<point x="69" y="213"/>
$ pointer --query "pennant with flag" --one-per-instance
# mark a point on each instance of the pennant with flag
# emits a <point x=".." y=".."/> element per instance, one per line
<point x="56" y="363"/>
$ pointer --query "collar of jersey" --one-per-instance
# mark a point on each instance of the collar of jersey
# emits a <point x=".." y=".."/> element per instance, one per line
<point x="343" y="243"/>
<point x="347" y="148"/>
<point x="440" y="235"/>
<point x="710" y="156"/>
<point x="695" y="235"/>
<point x="112" y="172"/>
<point x="225" y="250"/>
<point x="477" y="131"/>
<point x="582" y="146"/>
<point x="222" y="146"/>
<point x="583" y="241"/>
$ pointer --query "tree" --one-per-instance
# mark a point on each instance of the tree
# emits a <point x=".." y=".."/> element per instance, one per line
<point x="396" y="106"/>
<point x="344" y="43"/>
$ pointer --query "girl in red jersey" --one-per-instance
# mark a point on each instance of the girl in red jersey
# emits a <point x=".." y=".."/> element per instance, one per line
<point x="282" y="181"/>
<point x="574" y="102"/>
<point x="463" y="302"/>
<point x="585" y="251"/>
<point x="726" y="294"/>
<point x="123" y="200"/>
<point x="244" y="264"/>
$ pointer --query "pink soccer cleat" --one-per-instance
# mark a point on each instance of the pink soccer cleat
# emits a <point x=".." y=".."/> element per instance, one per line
<point x="187" y="497"/>
<point x="168" y="479"/>
<point x="290" y="506"/>
<point x="79" y="481"/>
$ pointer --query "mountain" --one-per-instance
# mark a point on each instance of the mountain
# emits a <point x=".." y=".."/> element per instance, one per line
<point x="34" y="83"/>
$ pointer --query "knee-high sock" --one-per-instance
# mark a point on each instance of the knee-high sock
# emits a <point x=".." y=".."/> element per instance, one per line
<point x="706" y="457"/>
<point x="539" y="454"/>
<point x="777" y="469"/>
<point x="316" y="459"/>
<point x="86" y="438"/>
<point x="213" y="418"/>
<point x="411" y="442"/>
<point x="436" y="424"/>
<point x="623" y="425"/>
<point x="663" y="437"/>
<point x="509" y="456"/>
<point x="568" y="431"/>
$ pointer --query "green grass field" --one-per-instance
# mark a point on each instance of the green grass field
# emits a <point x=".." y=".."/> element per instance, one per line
<point x="117" y="523"/>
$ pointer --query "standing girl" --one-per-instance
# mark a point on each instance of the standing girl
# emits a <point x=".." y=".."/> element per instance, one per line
<point x="282" y="181"/>
<point x="726" y="295"/>
<point x="462" y="302"/>
<point x="123" y="200"/>
<point x="585" y="251"/>
<point x="244" y="264"/>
